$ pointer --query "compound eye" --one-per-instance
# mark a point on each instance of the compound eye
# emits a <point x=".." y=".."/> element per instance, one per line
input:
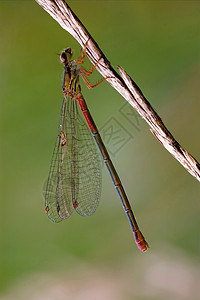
<point x="69" y="50"/>
<point x="63" y="57"/>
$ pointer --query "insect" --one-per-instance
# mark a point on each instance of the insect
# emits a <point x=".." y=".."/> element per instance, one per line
<point x="74" y="181"/>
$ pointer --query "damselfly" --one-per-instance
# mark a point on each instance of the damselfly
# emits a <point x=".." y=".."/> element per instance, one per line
<point x="74" y="180"/>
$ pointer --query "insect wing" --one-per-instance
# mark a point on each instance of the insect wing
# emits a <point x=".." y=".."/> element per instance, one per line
<point x="58" y="194"/>
<point x="89" y="165"/>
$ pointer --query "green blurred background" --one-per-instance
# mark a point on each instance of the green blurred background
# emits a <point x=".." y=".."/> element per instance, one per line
<point x="158" y="44"/>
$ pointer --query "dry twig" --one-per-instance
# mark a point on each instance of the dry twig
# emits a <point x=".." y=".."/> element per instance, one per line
<point x="62" y="13"/>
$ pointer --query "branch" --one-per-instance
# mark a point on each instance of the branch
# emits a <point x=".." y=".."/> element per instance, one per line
<point x="62" y="13"/>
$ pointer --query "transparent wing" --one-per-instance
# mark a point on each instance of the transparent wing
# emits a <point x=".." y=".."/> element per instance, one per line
<point x="75" y="173"/>
<point x="58" y="194"/>
<point x="89" y="165"/>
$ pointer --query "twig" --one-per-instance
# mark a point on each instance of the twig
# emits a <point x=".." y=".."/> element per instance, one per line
<point x="62" y="13"/>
